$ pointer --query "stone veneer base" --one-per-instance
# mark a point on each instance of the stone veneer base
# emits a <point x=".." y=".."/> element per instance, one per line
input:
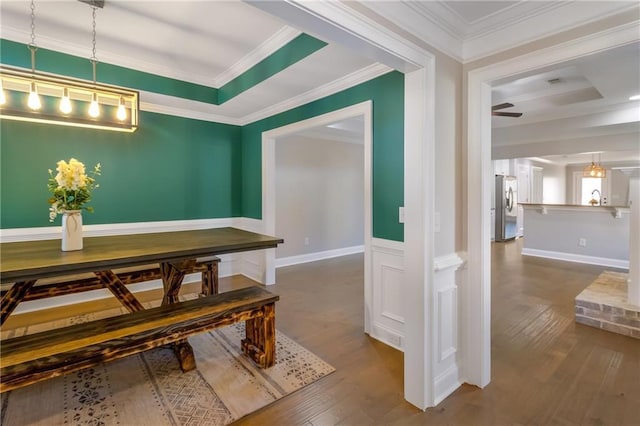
<point x="604" y="305"/>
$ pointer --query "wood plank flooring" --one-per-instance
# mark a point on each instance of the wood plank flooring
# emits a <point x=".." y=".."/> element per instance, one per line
<point x="546" y="369"/>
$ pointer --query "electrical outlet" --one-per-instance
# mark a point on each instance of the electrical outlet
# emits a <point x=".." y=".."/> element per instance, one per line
<point x="306" y="241"/>
<point x="582" y="242"/>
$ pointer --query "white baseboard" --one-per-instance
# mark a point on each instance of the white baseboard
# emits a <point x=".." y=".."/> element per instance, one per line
<point x="321" y="255"/>
<point x="388" y="336"/>
<point x="572" y="257"/>
<point x="446" y="384"/>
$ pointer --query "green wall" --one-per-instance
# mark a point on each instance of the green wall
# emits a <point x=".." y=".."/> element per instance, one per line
<point x="387" y="94"/>
<point x="171" y="168"/>
<point x="175" y="168"/>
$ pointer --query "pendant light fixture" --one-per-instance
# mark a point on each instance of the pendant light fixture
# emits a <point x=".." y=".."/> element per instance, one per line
<point x="29" y="95"/>
<point x="594" y="170"/>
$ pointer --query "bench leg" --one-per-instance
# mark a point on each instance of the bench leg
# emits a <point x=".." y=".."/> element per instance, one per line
<point x="184" y="353"/>
<point x="260" y="342"/>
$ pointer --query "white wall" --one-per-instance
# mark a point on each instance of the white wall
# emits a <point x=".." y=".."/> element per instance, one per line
<point x="554" y="178"/>
<point x="597" y="235"/>
<point x="319" y="195"/>
<point x="448" y="198"/>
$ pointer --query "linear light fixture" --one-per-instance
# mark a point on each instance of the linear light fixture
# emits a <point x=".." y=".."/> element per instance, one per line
<point x="66" y="101"/>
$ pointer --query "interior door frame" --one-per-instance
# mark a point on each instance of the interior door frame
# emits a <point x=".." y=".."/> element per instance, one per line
<point x="269" y="139"/>
<point x="477" y="321"/>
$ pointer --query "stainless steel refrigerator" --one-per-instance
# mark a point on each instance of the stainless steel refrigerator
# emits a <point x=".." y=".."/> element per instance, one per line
<point x="506" y="207"/>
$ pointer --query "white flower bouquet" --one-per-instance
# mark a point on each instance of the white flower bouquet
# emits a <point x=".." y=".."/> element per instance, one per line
<point x="71" y="187"/>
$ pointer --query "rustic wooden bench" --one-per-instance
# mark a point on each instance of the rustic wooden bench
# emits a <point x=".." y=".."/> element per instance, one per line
<point x="32" y="358"/>
<point x="61" y="286"/>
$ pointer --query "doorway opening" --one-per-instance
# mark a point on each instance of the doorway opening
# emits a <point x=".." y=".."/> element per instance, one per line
<point x="363" y="111"/>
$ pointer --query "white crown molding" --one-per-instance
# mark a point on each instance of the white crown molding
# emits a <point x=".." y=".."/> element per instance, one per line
<point x="543" y="24"/>
<point x="508" y="16"/>
<point x="439" y="26"/>
<point x="264" y="50"/>
<point x="170" y="105"/>
<point x="285" y="35"/>
<point x="416" y="19"/>
<point x="368" y="73"/>
<point x="105" y="56"/>
<point x="164" y="104"/>
<point x="336" y="21"/>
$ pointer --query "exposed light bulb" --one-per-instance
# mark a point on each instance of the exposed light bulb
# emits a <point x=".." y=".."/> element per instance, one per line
<point x="3" y="97"/>
<point x="65" y="102"/>
<point x="121" y="114"/>
<point x="34" y="100"/>
<point x="94" y="108"/>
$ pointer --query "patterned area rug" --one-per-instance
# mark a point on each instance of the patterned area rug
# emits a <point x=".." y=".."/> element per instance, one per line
<point x="150" y="388"/>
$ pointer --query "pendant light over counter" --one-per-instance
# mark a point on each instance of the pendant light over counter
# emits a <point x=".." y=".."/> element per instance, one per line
<point x="47" y="98"/>
<point x="594" y="170"/>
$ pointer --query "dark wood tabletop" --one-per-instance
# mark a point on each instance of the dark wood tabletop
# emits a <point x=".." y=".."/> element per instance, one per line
<point x="22" y="261"/>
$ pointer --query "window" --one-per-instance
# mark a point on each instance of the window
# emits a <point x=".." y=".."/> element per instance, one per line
<point x="591" y="191"/>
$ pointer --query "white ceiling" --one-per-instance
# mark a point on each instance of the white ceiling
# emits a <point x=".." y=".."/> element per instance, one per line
<point x="211" y="42"/>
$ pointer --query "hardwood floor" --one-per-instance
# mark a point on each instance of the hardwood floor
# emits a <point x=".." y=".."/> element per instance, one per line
<point x="546" y="369"/>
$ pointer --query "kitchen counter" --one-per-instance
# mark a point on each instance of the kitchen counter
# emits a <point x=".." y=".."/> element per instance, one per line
<point x="596" y="235"/>
<point x="616" y="211"/>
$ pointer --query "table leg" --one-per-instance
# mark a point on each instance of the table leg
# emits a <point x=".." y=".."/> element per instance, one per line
<point x="210" y="279"/>
<point x="119" y="290"/>
<point x="13" y="297"/>
<point x="172" y="276"/>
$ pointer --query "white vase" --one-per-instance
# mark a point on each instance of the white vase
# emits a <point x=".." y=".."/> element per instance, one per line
<point x="72" y="230"/>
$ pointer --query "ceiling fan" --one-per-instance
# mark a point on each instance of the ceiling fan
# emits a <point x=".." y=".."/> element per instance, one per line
<point x="495" y="108"/>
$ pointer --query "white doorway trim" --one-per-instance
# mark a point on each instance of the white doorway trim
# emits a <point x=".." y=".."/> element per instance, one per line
<point x="339" y="23"/>
<point x="269" y="139"/>
<point x="477" y="323"/>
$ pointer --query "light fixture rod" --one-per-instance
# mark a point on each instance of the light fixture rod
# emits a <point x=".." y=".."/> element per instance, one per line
<point x="32" y="46"/>
<point x="93" y="3"/>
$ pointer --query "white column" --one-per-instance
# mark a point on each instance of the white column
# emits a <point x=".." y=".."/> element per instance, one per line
<point x="634" y="241"/>
<point x="418" y="241"/>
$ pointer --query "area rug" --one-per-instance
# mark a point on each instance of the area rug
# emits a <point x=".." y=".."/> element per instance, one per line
<point x="150" y="388"/>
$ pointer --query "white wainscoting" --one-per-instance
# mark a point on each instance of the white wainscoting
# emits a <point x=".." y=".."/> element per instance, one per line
<point x="250" y="264"/>
<point x="387" y="319"/>
<point x="446" y="359"/>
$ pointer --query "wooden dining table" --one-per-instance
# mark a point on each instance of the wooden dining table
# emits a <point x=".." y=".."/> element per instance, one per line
<point x="24" y="263"/>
